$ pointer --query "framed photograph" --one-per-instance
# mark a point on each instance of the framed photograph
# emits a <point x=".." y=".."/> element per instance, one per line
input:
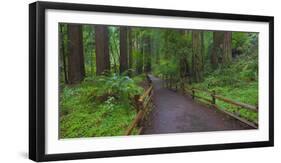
<point x="111" y="81"/>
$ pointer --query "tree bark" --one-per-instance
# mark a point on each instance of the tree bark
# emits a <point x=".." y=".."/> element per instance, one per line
<point x="63" y="52"/>
<point x="130" y="50"/>
<point x="76" y="69"/>
<point x="183" y="63"/>
<point x="202" y="47"/>
<point x="92" y="54"/>
<point x="222" y="50"/>
<point x="123" y="50"/>
<point x="140" y="53"/>
<point x="227" y="49"/>
<point x="197" y="58"/>
<point x="147" y="54"/>
<point x="156" y="47"/>
<point x="116" y="51"/>
<point x="102" y="50"/>
<point x="113" y="58"/>
<point x="217" y="49"/>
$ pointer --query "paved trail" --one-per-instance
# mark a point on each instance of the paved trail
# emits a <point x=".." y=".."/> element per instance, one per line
<point x="176" y="113"/>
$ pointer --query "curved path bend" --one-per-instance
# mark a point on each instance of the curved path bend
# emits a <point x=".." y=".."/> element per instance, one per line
<point x="177" y="113"/>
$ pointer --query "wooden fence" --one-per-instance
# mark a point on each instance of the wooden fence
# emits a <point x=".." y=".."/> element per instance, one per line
<point x="173" y="83"/>
<point x="143" y="104"/>
<point x="179" y="86"/>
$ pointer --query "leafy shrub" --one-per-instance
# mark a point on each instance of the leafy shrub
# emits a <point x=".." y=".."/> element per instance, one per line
<point x="166" y="67"/>
<point x="116" y="86"/>
<point x="100" y="106"/>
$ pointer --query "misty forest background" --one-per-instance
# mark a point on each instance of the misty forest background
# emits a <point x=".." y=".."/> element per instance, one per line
<point x="102" y="69"/>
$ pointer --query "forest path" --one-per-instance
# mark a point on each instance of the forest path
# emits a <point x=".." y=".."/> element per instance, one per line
<point x="177" y="113"/>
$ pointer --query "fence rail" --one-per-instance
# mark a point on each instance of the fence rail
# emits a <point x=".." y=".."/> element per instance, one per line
<point x="215" y="97"/>
<point x="143" y="104"/>
<point x="240" y="104"/>
<point x="212" y="100"/>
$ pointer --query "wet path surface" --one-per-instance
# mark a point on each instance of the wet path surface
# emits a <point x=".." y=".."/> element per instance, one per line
<point x="177" y="113"/>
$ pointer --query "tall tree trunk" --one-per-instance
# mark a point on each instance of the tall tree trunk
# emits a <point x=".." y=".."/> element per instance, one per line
<point x="92" y="51"/>
<point x="217" y="49"/>
<point x="166" y="44"/>
<point x="197" y="58"/>
<point x="184" y="67"/>
<point x="63" y="52"/>
<point x="221" y="52"/>
<point x="139" y="60"/>
<point x="117" y="54"/>
<point x="202" y="47"/>
<point x="147" y="54"/>
<point x="130" y="50"/>
<point x="227" y="49"/>
<point x="113" y="58"/>
<point x="183" y="64"/>
<point x="76" y="69"/>
<point x="157" y="55"/>
<point x="102" y="50"/>
<point x="123" y="50"/>
<point x="155" y="47"/>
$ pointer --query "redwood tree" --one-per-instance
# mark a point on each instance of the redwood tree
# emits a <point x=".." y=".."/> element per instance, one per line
<point x="227" y="49"/>
<point x="102" y="50"/>
<point x="76" y="69"/>
<point x="140" y="49"/>
<point x="183" y="63"/>
<point x="197" y="56"/>
<point x="63" y="51"/>
<point x="147" y="54"/>
<point x="221" y="52"/>
<point x="123" y="50"/>
<point x="130" y="49"/>
<point x="217" y="48"/>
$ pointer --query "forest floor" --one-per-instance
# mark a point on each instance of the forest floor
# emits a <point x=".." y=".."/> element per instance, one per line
<point x="178" y="113"/>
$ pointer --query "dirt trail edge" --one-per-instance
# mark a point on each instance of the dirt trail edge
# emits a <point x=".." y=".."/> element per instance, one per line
<point x="176" y="113"/>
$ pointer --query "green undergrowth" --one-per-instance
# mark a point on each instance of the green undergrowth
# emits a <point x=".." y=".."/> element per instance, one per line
<point x="237" y="82"/>
<point x="99" y="106"/>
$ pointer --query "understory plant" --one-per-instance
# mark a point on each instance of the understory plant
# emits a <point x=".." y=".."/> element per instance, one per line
<point x="99" y="106"/>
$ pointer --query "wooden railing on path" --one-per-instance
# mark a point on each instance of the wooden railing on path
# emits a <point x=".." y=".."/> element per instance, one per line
<point x="214" y="97"/>
<point x="143" y="104"/>
<point x="179" y="86"/>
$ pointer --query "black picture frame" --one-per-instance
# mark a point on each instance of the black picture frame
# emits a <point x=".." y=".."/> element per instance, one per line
<point x="37" y="80"/>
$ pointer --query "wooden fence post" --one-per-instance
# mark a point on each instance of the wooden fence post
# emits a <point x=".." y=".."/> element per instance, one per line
<point x="167" y="81"/>
<point x="170" y="81"/>
<point x="176" y="81"/>
<point x="213" y="97"/>
<point x="164" y="79"/>
<point x="193" y="93"/>
<point x="181" y="84"/>
<point x="140" y="106"/>
<point x="137" y="102"/>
